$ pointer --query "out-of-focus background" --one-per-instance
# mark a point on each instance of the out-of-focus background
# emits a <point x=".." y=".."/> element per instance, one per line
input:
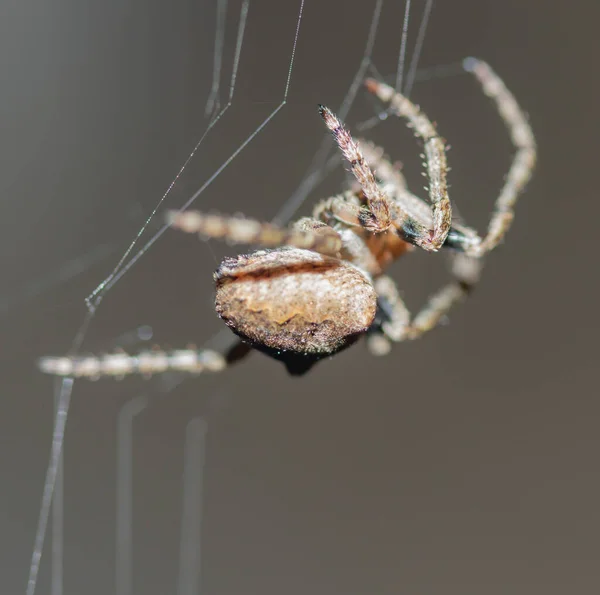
<point x="464" y="463"/>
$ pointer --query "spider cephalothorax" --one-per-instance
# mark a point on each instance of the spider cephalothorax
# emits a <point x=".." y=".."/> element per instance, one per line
<point x="320" y="284"/>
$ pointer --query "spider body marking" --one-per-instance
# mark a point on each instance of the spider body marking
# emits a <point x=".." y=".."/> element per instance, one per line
<point x="296" y="305"/>
<point x="320" y="284"/>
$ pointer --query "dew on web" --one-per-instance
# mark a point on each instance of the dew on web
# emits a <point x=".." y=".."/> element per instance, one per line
<point x="52" y="509"/>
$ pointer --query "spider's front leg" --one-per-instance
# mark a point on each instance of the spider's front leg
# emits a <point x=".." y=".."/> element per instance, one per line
<point x="377" y="217"/>
<point x="381" y="213"/>
<point x="437" y="168"/>
<point x="392" y="319"/>
<point x="518" y="175"/>
<point x="413" y="213"/>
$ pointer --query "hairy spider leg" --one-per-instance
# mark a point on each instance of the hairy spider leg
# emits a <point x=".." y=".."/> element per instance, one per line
<point x="377" y="218"/>
<point x="521" y="135"/>
<point x="524" y="159"/>
<point x="435" y="161"/>
<point x="146" y="363"/>
<point x="397" y="326"/>
<point x="239" y="230"/>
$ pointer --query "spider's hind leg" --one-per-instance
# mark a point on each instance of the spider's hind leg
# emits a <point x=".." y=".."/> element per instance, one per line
<point x="394" y="324"/>
<point x="466" y="271"/>
<point x="437" y="168"/>
<point x="146" y="363"/>
<point x="392" y="318"/>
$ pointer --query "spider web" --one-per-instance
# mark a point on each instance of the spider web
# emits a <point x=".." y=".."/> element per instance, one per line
<point x="233" y="24"/>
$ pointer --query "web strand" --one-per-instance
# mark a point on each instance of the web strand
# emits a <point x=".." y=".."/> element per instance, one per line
<point x="118" y="274"/>
<point x="313" y="175"/>
<point x="57" y="563"/>
<point x="124" y="501"/>
<point x="212" y="102"/>
<point x="94" y="299"/>
<point x="190" y="562"/>
<point x="54" y="467"/>
<point x="403" y="41"/>
<point x="410" y="77"/>
<point x="62" y="399"/>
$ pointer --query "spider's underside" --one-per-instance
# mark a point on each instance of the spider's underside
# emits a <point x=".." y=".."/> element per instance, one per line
<point x="320" y="285"/>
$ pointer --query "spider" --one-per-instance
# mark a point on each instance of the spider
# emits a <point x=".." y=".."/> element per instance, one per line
<point x="319" y="285"/>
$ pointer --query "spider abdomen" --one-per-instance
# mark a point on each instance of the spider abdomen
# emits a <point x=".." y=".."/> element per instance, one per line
<point x="294" y="300"/>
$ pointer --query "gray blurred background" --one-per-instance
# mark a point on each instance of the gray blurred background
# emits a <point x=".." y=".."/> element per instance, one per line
<point x="465" y="463"/>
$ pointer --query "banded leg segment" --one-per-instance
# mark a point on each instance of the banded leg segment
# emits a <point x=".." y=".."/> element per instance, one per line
<point x="435" y="156"/>
<point x="395" y="317"/>
<point x="387" y="172"/>
<point x="408" y="209"/>
<point x="399" y="327"/>
<point x="240" y="230"/>
<point x="145" y="363"/>
<point x="415" y="213"/>
<point x="342" y="208"/>
<point x="524" y="160"/>
<point x="466" y="271"/>
<point x="377" y="217"/>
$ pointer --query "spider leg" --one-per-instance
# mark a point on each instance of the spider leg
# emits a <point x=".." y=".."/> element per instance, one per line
<point x="389" y="173"/>
<point x="524" y="160"/>
<point x="413" y="209"/>
<point x="398" y="326"/>
<point x="377" y="217"/>
<point x="347" y="207"/>
<point x="394" y="317"/>
<point x="465" y="270"/>
<point x="239" y="230"/>
<point x="437" y="168"/>
<point x="145" y="363"/>
<point x="342" y="208"/>
<point x="415" y="212"/>
<point x="343" y="213"/>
